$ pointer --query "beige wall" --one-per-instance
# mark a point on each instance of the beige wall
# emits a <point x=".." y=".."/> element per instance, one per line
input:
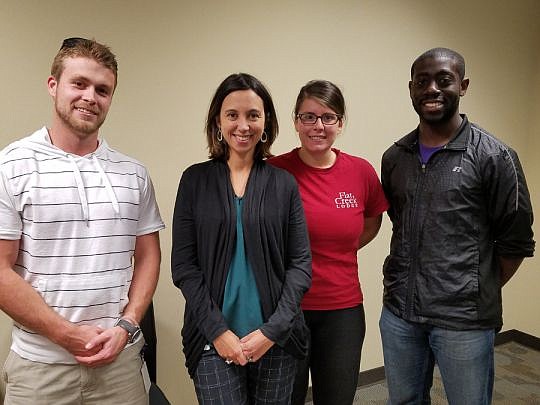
<point x="520" y="297"/>
<point x="173" y="54"/>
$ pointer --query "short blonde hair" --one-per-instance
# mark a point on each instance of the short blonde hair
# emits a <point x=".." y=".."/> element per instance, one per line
<point x="86" y="48"/>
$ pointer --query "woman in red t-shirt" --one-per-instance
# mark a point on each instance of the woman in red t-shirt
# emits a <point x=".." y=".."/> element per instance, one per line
<point x="343" y="202"/>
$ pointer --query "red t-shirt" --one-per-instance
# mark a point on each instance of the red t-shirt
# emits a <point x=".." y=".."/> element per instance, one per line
<point x="336" y="201"/>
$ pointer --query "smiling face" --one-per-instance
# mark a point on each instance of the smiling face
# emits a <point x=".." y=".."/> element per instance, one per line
<point x="435" y="89"/>
<point x="82" y="96"/>
<point x="241" y="120"/>
<point x="317" y="138"/>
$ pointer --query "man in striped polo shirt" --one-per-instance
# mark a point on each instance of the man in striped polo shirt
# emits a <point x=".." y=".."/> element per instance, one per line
<point x="79" y="246"/>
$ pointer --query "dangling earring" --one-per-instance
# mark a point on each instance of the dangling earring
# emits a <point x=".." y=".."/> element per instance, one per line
<point x="264" y="137"/>
<point x="219" y="135"/>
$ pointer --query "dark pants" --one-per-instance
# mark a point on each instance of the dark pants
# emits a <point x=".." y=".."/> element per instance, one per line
<point x="267" y="381"/>
<point x="334" y="356"/>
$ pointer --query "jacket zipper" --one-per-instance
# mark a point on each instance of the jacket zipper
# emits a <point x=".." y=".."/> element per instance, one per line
<point x="411" y="282"/>
<point x="409" y="303"/>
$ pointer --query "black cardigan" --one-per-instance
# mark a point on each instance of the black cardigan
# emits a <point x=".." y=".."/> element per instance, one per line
<point x="277" y="247"/>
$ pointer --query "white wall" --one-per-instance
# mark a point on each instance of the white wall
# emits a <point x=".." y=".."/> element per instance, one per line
<point x="173" y="54"/>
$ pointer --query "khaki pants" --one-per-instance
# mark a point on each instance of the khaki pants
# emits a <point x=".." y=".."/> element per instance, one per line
<point x="2" y="389"/>
<point x="121" y="382"/>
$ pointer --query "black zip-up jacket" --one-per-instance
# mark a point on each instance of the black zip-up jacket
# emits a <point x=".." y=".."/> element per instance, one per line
<point x="277" y="248"/>
<point x="452" y="218"/>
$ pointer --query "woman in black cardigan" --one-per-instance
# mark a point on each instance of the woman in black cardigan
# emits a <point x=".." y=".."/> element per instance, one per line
<point x="241" y="256"/>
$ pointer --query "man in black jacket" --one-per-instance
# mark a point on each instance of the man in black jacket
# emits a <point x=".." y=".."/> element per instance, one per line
<point x="462" y="224"/>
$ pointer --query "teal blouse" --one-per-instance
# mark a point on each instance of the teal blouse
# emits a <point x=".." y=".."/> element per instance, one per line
<point x="241" y="302"/>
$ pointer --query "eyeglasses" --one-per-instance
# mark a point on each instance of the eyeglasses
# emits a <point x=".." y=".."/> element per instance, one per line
<point x="72" y="42"/>
<point x="311" y="118"/>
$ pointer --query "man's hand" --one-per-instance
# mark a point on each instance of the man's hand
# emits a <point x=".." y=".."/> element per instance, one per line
<point x="110" y="343"/>
<point x="76" y="338"/>
<point x="509" y="266"/>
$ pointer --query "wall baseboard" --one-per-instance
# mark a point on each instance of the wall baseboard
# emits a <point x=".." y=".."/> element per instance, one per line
<point x="514" y="335"/>
<point x="375" y="375"/>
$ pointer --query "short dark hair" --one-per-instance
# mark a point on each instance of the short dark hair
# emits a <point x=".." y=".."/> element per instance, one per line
<point x="325" y="92"/>
<point x="236" y="82"/>
<point x="85" y="48"/>
<point x="442" y="53"/>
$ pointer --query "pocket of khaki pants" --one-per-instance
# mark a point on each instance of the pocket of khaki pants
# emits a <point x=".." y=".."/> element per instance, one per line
<point x="7" y="363"/>
<point x="4" y="379"/>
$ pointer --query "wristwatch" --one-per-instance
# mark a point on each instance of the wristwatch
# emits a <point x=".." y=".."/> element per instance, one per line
<point x="133" y="330"/>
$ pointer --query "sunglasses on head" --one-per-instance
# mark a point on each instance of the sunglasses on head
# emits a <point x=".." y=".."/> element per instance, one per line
<point x="72" y="42"/>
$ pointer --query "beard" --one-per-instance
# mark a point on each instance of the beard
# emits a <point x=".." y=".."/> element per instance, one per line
<point x="78" y="126"/>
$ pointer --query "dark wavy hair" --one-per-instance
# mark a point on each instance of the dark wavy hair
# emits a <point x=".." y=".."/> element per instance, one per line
<point x="236" y="82"/>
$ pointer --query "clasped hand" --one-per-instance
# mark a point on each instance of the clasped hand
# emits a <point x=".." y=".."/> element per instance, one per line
<point x="93" y="346"/>
<point x="250" y="348"/>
